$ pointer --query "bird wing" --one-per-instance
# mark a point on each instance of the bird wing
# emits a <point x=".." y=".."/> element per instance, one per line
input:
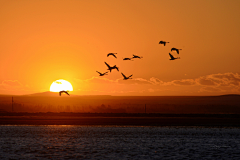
<point x="109" y="54"/>
<point x="173" y="49"/>
<point x="66" y="92"/>
<point x="130" y="76"/>
<point x="114" y="55"/>
<point x="107" y="65"/>
<point x="171" y="56"/>
<point x="60" y="93"/>
<point x="177" y="51"/>
<point x="116" y="68"/>
<point x="98" y="72"/>
<point x="124" y="76"/>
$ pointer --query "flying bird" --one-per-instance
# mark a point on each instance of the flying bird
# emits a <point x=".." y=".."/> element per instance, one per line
<point x="110" y="68"/>
<point x="173" y="58"/>
<point x="113" y="54"/>
<point x="125" y="78"/>
<point x="135" y="56"/>
<point x="127" y="59"/>
<point x="63" y="92"/>
<point x="163" y="42"/>
<point x="175" y="49"/>
<point x="102" y="74"/>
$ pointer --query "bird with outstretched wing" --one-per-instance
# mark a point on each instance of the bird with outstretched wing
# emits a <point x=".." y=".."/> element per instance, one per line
<point x="60" y="93"/>
<point x="112" y="54"/>
<point x="125" y="77"/>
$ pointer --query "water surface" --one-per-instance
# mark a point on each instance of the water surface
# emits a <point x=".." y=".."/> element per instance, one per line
<point x="118" y="142"/>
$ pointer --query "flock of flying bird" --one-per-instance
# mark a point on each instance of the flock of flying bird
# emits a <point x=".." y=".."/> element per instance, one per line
<point x="173" y="49"/>
<point x="110" y="68"/>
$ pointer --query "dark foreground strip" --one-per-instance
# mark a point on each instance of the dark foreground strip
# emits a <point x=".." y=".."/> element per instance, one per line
<point x="126" y="121"/>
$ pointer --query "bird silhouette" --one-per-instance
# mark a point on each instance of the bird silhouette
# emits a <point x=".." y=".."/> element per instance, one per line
<point x="63" y="92"/>
<point x="135" y="56"/>
<point x="113" y="54"/>
<point x="102" y="74"/>
<point x="125" y="78"/>
<point x="175" y="49"/>
<point x="127" y="59"/>
<point x="163" y="42"/>
<point x="110" y="68"/>
<point x="173" y="58"/>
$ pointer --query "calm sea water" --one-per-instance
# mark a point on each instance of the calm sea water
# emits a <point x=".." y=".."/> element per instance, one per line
<point x="118" y="142"/>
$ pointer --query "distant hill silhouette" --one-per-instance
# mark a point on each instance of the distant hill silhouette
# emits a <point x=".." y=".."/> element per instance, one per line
<point x="45" y="94"/>
<point x="230" y="95"/>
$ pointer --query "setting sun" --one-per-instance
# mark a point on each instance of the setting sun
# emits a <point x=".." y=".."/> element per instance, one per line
<point x="61" y="85"/>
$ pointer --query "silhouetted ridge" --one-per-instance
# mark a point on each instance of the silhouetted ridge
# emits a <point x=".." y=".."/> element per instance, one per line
<point x="230" y="95"/>
<point x="45" y="94"/>
<point x="48" y="93"/>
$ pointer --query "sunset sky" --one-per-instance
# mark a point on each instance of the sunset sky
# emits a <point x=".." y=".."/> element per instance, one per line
<point x="42" y="41"/>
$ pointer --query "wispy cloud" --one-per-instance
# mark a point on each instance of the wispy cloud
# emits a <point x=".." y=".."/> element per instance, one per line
<point x="12" y="85"/>
<point x="182" y="82"/>
<point x="220" y="79"/>
<point x="221" y="82"/>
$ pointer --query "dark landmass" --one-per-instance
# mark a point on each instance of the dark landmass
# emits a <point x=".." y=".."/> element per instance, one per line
<point x="50" y="109"/>
<point x="233" y="95"/>
<point x="123" y="119"/>
<point x="52" y="102"/>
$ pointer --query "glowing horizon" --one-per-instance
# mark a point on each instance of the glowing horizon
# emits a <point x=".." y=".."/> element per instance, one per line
<point x="61" y="85"/>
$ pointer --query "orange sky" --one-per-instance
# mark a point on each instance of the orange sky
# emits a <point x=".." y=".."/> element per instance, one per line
<point x="45" y="40"/>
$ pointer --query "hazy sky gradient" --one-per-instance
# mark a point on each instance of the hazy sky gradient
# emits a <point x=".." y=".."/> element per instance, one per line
<point x="45" y="40"/>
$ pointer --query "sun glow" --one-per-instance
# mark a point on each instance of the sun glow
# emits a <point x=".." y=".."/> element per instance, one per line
<point x="61" y="85"/>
